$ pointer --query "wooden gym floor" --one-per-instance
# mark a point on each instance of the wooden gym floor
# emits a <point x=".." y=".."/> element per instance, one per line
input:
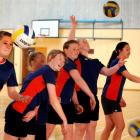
<point x="131" y="112"/>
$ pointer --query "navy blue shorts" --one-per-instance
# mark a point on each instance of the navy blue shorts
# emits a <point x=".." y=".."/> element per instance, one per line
<point x="69" y="110"/>
<point x="41" y="132"/>
<point x="15" y="126"/>
<point x="110" y="106"/>
<point x="32" y="127"/>
<point x="13" y="123"/>
<point x="88" y="114"/>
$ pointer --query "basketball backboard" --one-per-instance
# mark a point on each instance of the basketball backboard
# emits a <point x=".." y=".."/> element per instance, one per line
<point x="46" y="28"/>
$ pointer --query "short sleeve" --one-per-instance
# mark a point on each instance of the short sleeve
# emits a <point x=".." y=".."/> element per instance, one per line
<point x="100" y="65"/>
<point x="123" y="68"/>
<point x="12" y="80"/>
<point x="70" y="65"/>
<point x="49" y="77"/>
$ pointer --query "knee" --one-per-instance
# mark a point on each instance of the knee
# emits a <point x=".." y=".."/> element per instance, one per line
<point x="120" y="127"/>
<point x="68" y="132"/>
<point x="49" y="130"/>
<point x="81" y="129"/>
<point x="109" y="128"/>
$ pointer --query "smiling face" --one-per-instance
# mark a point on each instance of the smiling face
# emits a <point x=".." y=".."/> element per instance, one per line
<point x="58" y="61"/>
<point x="5" y="46"/>
<point x="125" y="52"/>
<point x="72" y="51"/>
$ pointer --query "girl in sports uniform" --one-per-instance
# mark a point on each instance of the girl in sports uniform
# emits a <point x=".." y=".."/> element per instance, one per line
<point x="66" y="80"/>
<point x="86" y="122"/>
<point x="35" y="61"/>
<point x="7" y="71"/>
<point x="41" y="87"/>
<point x="112" y="93"/>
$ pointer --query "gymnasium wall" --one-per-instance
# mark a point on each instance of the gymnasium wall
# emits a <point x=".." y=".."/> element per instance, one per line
<point x="13" y="13"/>
<point x="17" y="12"/>
<point x="103" y="50"/>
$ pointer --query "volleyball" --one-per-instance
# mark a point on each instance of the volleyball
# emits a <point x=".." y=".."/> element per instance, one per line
<point x="134" y="128"/>
<point x="111" y="9"/>
<point x="23" y="36"/>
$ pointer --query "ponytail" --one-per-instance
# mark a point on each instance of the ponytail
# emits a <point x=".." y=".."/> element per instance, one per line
<point x="116" y="52"/>
<point x="113" y="56"/>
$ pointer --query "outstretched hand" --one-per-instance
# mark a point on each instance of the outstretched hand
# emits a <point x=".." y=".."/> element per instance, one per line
<point x="121" y="62"/>
<point x="73" y="21"/>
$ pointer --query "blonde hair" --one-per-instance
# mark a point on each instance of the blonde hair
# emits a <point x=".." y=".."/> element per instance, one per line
<point x="53" y="53"/>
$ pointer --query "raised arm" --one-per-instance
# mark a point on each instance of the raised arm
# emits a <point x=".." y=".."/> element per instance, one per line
<point x="73" y="28"/>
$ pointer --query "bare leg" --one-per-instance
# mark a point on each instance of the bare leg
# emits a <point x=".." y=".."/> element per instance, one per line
<point x="80" y="129"/>
<point x="49" y="129"/>
<point x="118" y="120"/>
<point x="109" y="125"/>
<point x="90" y="131"/>
<point x="9" y="137"/>
<point x="29" y="137"/>
<point x="69" y="134"/>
